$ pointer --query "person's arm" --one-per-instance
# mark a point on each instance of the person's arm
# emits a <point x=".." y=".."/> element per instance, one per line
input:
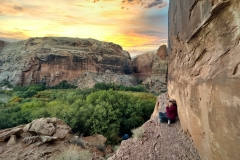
<point x="167" y="106"/>
<point x="171" y="109"/>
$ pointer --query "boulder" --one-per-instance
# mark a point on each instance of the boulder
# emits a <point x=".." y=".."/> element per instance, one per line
<point x="12" y="140"/>
<point x="96" y="140"/>
<point x="61" y="131"/>
<point x="7" y="134"/>
<point x="27" y="134"/>
<point x="38" y="139"/>
<point x="29" y="140"/>
<point x="204" y="73"/>
<point x="42" y="126"/>
<point x="45" y="139"/>
<point x="47" y="127"/>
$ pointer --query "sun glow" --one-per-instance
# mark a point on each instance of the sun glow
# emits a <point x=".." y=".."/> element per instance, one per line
<point x="127" y="24"/>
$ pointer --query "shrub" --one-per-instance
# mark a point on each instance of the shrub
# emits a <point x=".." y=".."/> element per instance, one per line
<point x="63" y="85"/>
<point x="6" y="83"/>
<point x="138" y="133"/>
<point x="15" y="99"/>
<point x="115" y="148"/>
<point x="108" y="86"/>
<point x="101" y="148"/>
<point x="74" y="153"/>
<point x="110" y="112"/>
<point x="78" y="142"/>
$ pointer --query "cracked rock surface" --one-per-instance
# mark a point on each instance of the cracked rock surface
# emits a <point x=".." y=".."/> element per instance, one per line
<point x="204" y="73"/>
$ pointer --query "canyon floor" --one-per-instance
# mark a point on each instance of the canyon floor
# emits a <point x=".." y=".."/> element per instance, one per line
<point x="158" y="142"/>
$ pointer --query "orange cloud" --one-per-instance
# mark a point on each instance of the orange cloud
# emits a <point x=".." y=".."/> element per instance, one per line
<point x="131" y="27"/>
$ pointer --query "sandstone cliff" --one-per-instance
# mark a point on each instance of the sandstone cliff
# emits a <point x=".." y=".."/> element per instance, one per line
<point x="52" y="60"/>
<point x="204" y="73"/>
<point x="151" y="68"/>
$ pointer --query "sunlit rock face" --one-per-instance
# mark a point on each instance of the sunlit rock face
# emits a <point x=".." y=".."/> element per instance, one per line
<point x="150" y="68"/>
<point x="204" y="73"/>
<point x="53" y="60"/>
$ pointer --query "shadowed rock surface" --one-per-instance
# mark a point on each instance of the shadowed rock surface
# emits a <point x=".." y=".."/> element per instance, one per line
<point x="151" y="68"/>
<point x="52" y="60"/>
<point x="204" y="74"/>
<point x="2" y="44"/>
<point x="89" y="79"/>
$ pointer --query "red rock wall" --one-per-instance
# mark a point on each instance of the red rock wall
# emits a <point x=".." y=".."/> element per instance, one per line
<point x="204" y="73"/>
<point x="53" y="60"/>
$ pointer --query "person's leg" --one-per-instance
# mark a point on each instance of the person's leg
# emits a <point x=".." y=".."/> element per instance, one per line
<point x="161" y="114"/>
<point x="163" y="118"/>
<point x="172" y="120"/>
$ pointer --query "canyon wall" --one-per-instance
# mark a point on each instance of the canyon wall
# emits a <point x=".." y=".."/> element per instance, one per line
<point x="2" y="44"/>
<point x="52" y="60"/>
<point x="151" y="69"/>
<point x="204" y="73"/>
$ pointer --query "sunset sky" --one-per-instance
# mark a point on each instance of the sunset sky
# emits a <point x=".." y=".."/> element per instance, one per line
<point x="137" y="25"/>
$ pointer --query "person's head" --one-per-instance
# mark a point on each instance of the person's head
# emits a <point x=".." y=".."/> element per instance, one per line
<point x="172" y="102"/>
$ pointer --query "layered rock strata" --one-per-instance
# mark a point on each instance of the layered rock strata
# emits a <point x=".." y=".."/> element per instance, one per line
<point x="89" y="79"/>
<point x="204" y="73"/>
<point x="53" y="60"/>
<point x="151" y="69"/>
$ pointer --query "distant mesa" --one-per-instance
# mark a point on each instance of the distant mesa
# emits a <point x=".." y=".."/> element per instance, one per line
<point x="150" y="68"/>
<point x="82" y="62"/>
<point x="52" y="60"/>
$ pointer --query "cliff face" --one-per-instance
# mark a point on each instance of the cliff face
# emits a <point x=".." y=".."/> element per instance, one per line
<point x="204" y="73"/>
<point x="151" y="68"/>
<point x="2" y="44"/>
<point x="52" y="60"/>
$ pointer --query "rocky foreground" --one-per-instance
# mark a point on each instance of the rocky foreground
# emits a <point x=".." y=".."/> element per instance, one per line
<point x="49" y="138"/>
<point x="156" y="141"/>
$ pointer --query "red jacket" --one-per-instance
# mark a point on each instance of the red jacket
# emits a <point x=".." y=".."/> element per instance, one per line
<point x="171" y="112"/>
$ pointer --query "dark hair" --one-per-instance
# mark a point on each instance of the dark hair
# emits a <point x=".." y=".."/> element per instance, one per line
<point x="173" y="101"/>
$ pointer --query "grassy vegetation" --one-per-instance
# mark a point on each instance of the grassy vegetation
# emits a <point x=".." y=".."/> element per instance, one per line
<point x="74" y="153"/>
<point x="107" y="109"/>
<point x="138" y="133"/>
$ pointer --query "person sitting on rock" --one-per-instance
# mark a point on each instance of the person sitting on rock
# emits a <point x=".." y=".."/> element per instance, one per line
<point x="170" y="114"/>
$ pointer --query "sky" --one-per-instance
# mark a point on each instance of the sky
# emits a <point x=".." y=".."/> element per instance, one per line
<point x="137" y="25"/>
